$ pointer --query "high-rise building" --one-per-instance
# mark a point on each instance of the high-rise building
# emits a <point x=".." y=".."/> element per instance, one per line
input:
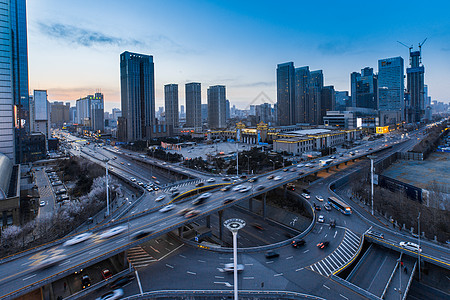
<point x="314" y="103"/>
<point x="137" y="85"/>
<point x="72" y="114"/>
<point x="364" y="89"/>
<point x="302" y="78"/>
<point x="116" y="113"/>
<point x="90" y="112"/>
<point x="217" y="106"/>
<point x="328" y="100"/>
<point x="204" y="112"/>
<point x="343" y="100"/>
<point x="286" y="94"/>
<point x="391" y="84"/>
<point x="227" y="109"/>
<point x="415" y="87"/>
<point x="171" y="105"/>
<point x="41" y="116"/>
<point x="193" y="93"/>
<point x="264" y="113"/>
<point x="59" y="114"/>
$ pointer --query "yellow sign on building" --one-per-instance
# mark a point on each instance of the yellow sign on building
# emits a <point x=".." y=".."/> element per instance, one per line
<point x="382" y="130"/>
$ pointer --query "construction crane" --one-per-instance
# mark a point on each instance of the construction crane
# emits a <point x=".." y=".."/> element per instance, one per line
<point x="420" y="49"/>
<point x="403" y="44"/>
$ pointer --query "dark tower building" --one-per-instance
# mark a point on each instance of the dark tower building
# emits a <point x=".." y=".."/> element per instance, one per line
<point x="193" y="105"/>
<point x="217" y="106"/>
<point x="415" y="87"/>
<point x="171" y="106"/>
<point x="364" y="89"/>
<point x="285" y="94"/>
<point x="328" y="100"/>
<point x="302" y="77"/>
<point x="314" y="105"/>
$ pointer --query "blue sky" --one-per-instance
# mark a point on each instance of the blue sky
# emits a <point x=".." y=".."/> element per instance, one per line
<point x="74" y="46"/>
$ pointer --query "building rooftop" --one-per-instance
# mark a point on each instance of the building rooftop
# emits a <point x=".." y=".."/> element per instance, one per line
<point x="310" y="131"/>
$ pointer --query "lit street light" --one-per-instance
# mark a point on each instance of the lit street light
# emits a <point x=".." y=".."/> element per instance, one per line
<point x="234" y="225"/>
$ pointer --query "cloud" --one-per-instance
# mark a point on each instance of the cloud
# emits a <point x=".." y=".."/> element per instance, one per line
<point x="333" y="48"/>
<point x="82" y="37"/>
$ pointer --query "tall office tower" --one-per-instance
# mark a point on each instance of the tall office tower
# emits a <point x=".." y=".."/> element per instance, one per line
<point x="314" y="106"/>
<point x="59" y="114"/>
<point x="342" y="100"/>
<point x="116" y="113"/>
<point x="171" y="105"/>
<point x="90" y="112"/>
<point x="264" y="113"/>
<point x="137" y="86"/>
<point x="193" y="93"/>
<point x="302" y="78"/>
<point x="286" y="94"/>
<point x="364" y="89"/>
<point x="328" y="100"/>
<point x="72" y="114"/>
<point x="217" y="106"/>
<point x="415" y="86"/>
<point x="204" y="109"/>
<point x="391" y="84"/>
<point x="227" y="109"/>
<point x="41" y="116"/>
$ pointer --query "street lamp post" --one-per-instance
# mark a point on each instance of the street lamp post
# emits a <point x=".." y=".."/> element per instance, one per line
<point x="107" y="189"/>
<point x="418" y="237"/>
<point x="272" y="163"/>
<point x="400" y="277"/>
<point x="234" y="225"/>
<point x="371" y="157"/>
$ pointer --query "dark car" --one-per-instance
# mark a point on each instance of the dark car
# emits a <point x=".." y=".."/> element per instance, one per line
<point x="200" y="184"/>
<point x="332" y="223"/>
<point x="226" y="179"/>
<point x="298" y="243"/>
<point x="174" y="194"/>
<point x="226" y="188"/>
<point x="271" y="254"/>
<point x="85" y="281"/>
<point x="122" y="281"/>
<point x="243" y="177"/>
<point x="306" y="191"/>
<point x="323" y="245"/>
<point x="301" y="173"/>
<point x="228" y="200"/>
<point x="142" y="234"/>
<point x="260" y="187"/>
<point x="317" y="207"/>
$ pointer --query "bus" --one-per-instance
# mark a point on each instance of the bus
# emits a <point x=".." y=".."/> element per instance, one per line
<point x="339" y="205"/>
<point x="325" y="162"/>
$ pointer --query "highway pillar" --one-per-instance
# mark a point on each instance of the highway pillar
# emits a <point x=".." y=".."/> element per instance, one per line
<point x="337" y="166"/>
<point x="220" y="224"/>
<point x="264" y="206"/>
<point x="328" y="170"/>
<point x="345" y="163"/>
<point x="208" y="221"/>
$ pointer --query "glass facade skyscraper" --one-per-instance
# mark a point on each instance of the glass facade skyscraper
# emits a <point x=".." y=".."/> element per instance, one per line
<point x="171" y="105"/>
<point x="286" y="94"/>
<point x="391" y="84"/>
<point x="217" y="106"/>
<point x="193" y="105"/>
<point x="137" y="87"/>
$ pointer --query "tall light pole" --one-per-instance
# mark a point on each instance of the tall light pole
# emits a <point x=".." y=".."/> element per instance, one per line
<point x="400" y="277"/>
<point x="418" y="225"/>
<point x="107" y="189"/>
<point x="234" y="225"/>
<point x="272" y="163"/>
<point x="371" y="157"/>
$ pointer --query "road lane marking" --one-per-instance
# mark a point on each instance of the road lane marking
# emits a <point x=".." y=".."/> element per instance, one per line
<point x="290" y="257"/>
<point x="65" y="263"/>
<point x="219" y="277"/>
<point x="202" y="261"/>
<point x="299" y="269"/>
<point x="29" y="277"/>
<point x="120" y="241"/>
<point x="192" y="273"/>
<point x="343" y="296"/>
<point x="248" y="264"/>
<point x="182" y="255"/>
<point x="326" y="287"/>
<point x="269" y="262"/>
<point x="249" y="278"/>
<point x="167" y="265"/>
<point x="93" y="251"/>
<point x="305" y="251"/>
<point x="335" y="234"/>
<point x="225" y="283"/>
<point x="326" y="235"/>
<point x="280" y="274"/>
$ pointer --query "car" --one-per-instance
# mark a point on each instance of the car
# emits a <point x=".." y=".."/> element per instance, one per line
<point x="317" y="207"/>
<point x="319" y="198"/>
<point x="150" y="189"/>
<point x="113" y="295"/>
<point x="260" y="187"/>
<point x="271" y="254"/>
<point x="230" y="267"/>
<point x="321" y="219"/>
<point x="410" y="246"/>
<point x="164" y="163"/>
<point x="122" y="163"/>
<point x="305" y="195"/>
<point x="85" y="281"/>
<point x="210" y="180"/>
<point x="122" y="281"/>
<point x="270" y="177"/>
<point x="238" y="187"/>
<point x="167" y="208"/>
<point x="112" y="232"/>
<point x="174" y="194"/>
<point x="200" y="184"/>
<point x="185" y="210"/>
<point x="160" y="198"/>
<point x="226" y="179"/>
<point x="157" y="182"/>
<point x="323" y="245"/>
<point x="128" y="164"/>
<point x="301" y="173"/>
<point x="245" y="189"/>
<point x="228" y="200"/>
<point x="201" y="198"/>
<point x="140" y="183"/>
<point x="192" y="213"/>
<point x="42" y="203"/>
<point x="50" y="261"/>
<point x="226" y="188"/>
<point x="375" y="234"/>
<point x="155" y="188"/>
<point x="253" y="179"/>
<point x="243" y="177"/>
<point x="327" y="206"/>
<point x="173" y="189"/>
<point x="276" y="178"/>
<point x="142" y="234"/>
<point x="332" y="223"/>
<point x="106" y="274"/>
<point x="235" y="177"/>
<point x="78" y="239"/>
<point x="298" y="243"/>
<point x="333" y="157"/>
<point x="285" y="170"/>
<point x="132" y="179"/>
<point x="257" y="226"/>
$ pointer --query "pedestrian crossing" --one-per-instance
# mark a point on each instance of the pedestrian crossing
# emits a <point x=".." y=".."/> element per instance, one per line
<point x="340" y="257"/>
<point x="139" y="258"/>
<point x="183" y="184"/>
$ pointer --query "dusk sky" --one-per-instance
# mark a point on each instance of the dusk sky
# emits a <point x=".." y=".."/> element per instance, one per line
<point x="74" y="46"/>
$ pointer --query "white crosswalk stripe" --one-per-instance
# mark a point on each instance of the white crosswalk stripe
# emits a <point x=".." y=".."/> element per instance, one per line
<point x="139" y="258"/>
<point x="341" y="256"/>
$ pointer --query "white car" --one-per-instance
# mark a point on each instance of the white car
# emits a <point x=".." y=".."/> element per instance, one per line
<point x="42" y="203"/>
<point x="238" y="187"/>
<point x="321" y="219"/>
<point x="411" y="246"/>
<point x="306" y="196"/>
<point x="112" y="232"/>
<point x="210" y="180"/>
<point x="133" y="179"/>
<point x="230" y="267"/>
<point x="48" y="262"/>
<point x="113" y="295"/>
<point x="276" y="178"/>
<point x="78" y="239"/>
<point x="319" y="198"/>
<point x="245" y="189"/>
<point x="167" y="208"/>
<point x="160" y="198"/>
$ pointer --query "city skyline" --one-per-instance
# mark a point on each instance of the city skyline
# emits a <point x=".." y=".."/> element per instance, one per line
<point x="255" y="36"/>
